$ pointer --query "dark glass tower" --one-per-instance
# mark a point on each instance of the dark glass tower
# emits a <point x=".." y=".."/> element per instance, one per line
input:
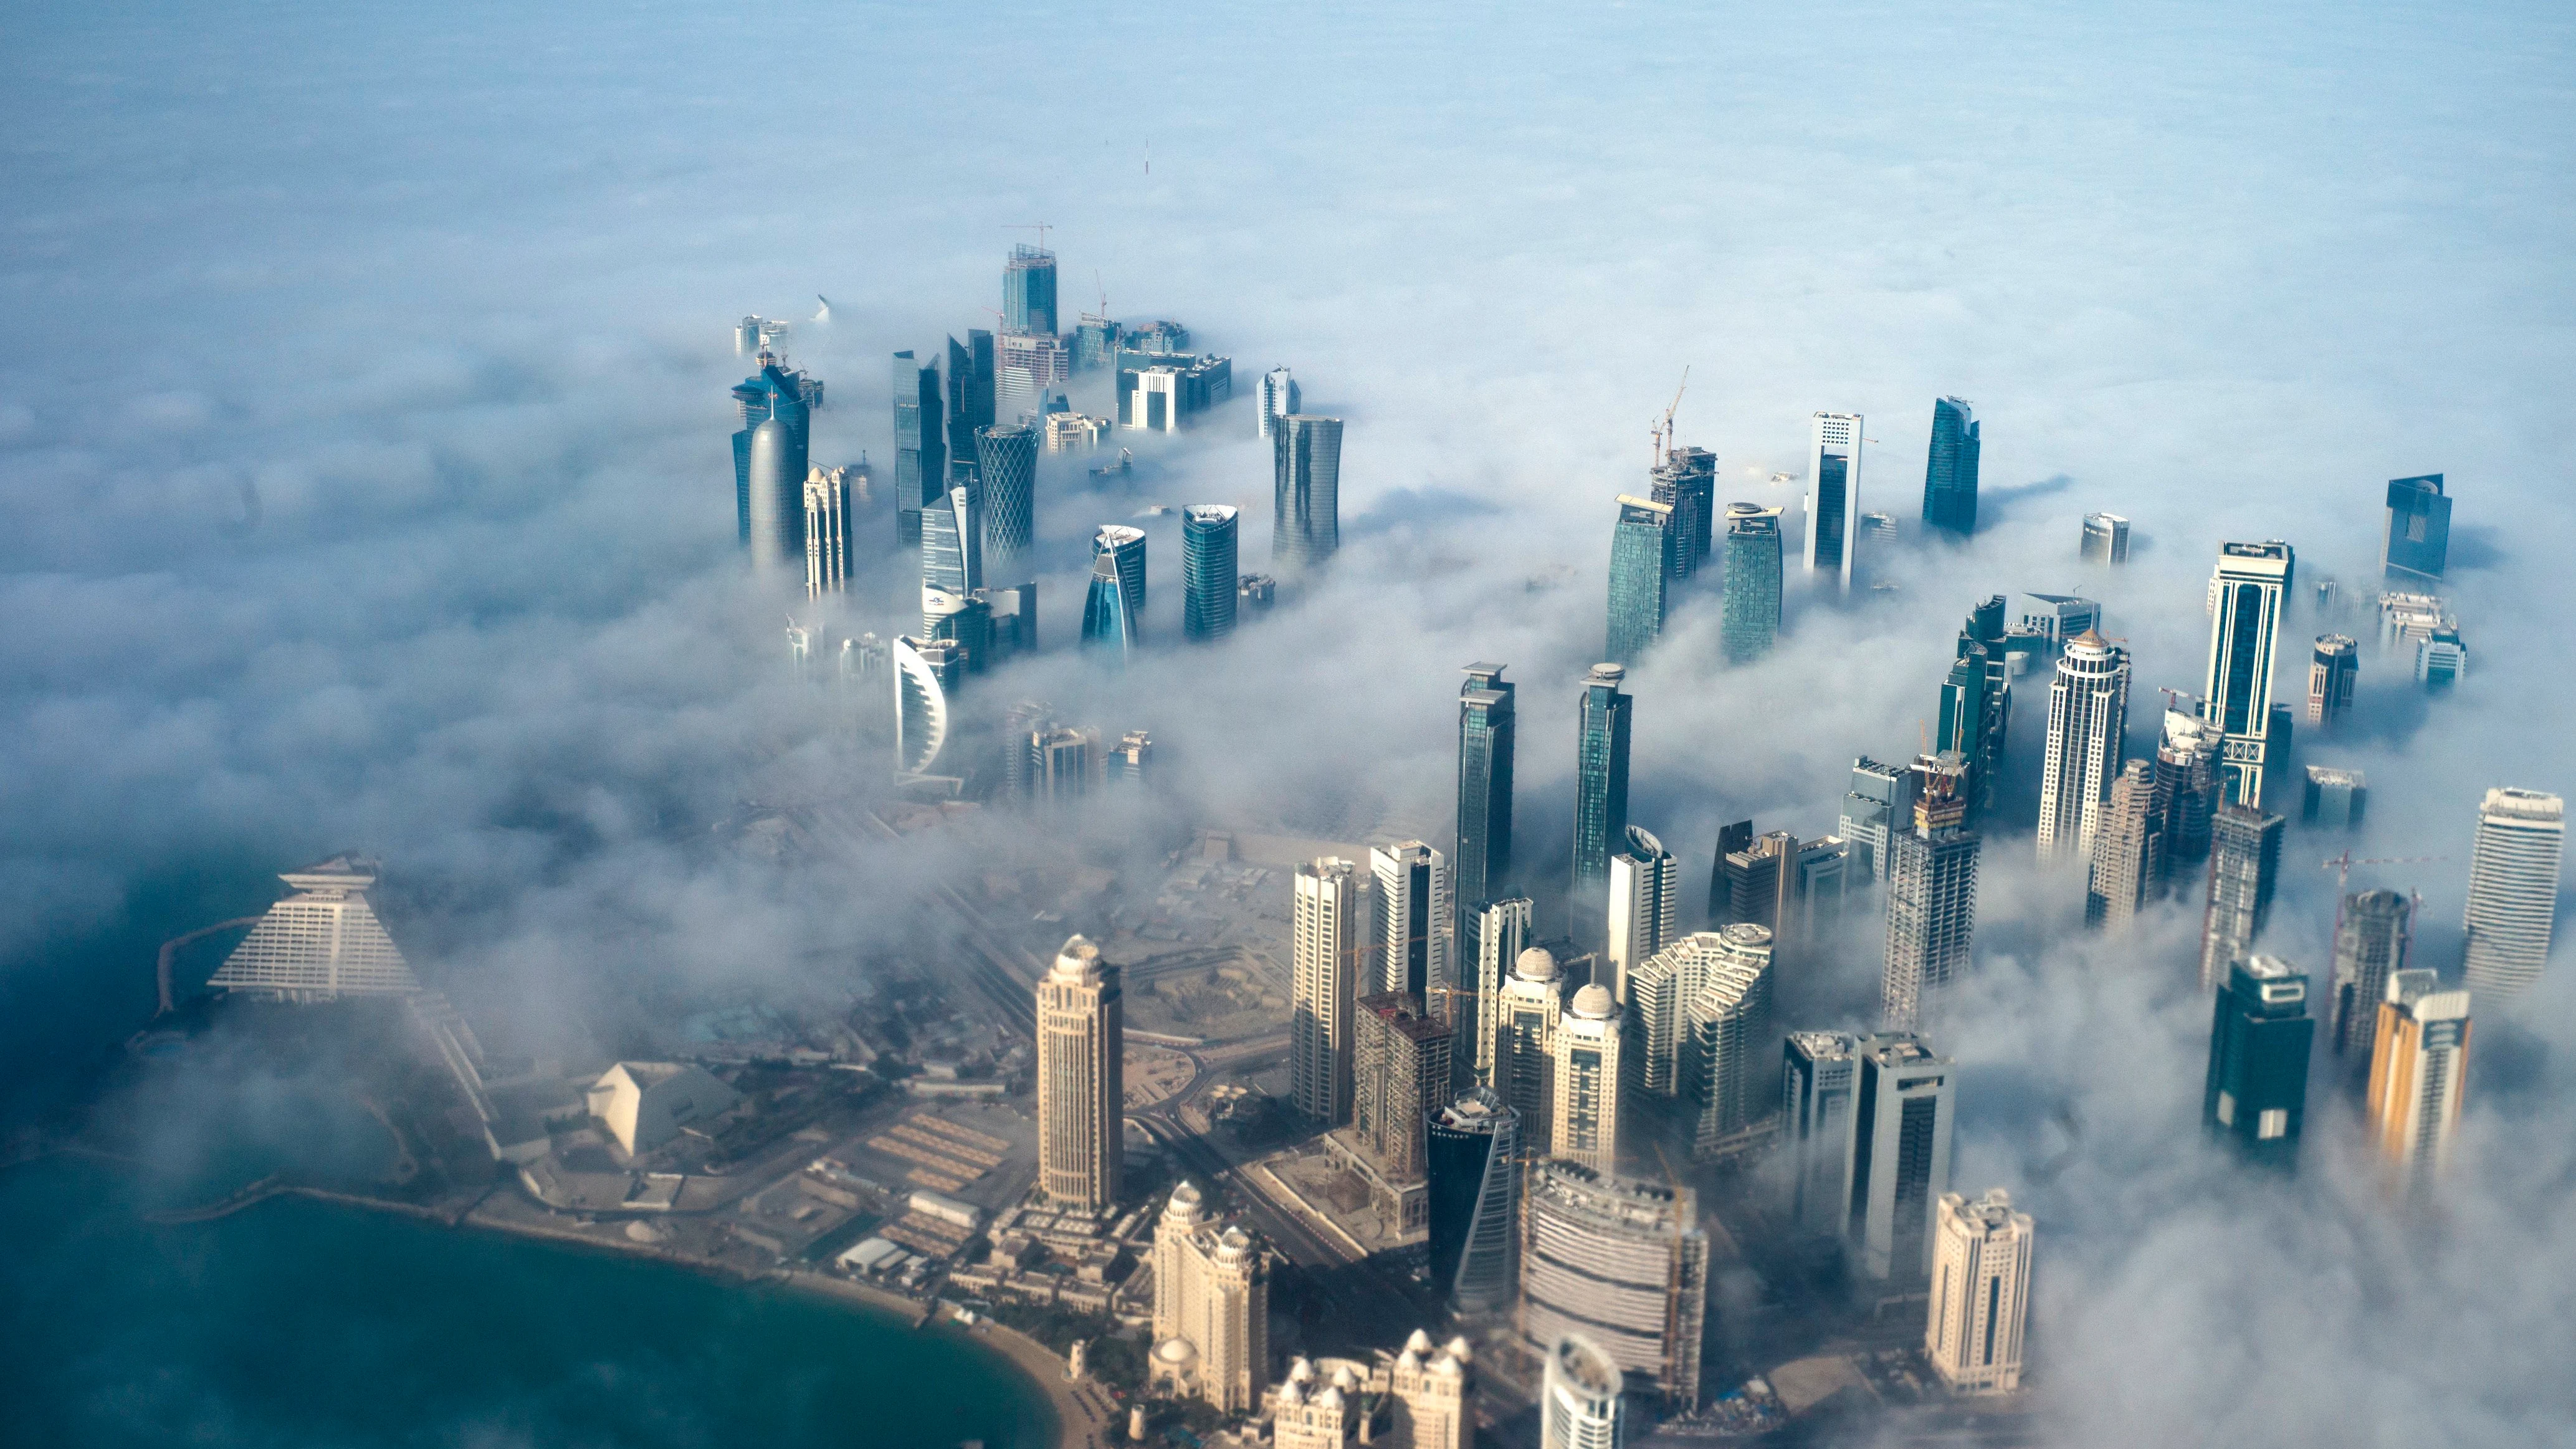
<point x="1641" y="563"/>
<point x="772" y="393"/>
<point x="1483" y="858"/>
<point x="1687" y="481"/>
<point x="1976" y="700"/>
<point x="1115" y="605"/>
<point x="1473" y="1190"/>
<point x="920" y="443"/>
<point x="1306" y="464"/>
<point x="1950" y="474"/>
<point x="1008" y="456"/>
<point x="2371" y="940"/>
<point x="1208" y="579"/>
<point x="2258" y="1060"/>
<point x="2244" y="868"/>
<point x="2419" y="529"/>
<point x="1749" y="621"/>
<point x="1028" y="290"/>
<point x="1931" y="893"/>
<point x="1600" y="777"/>
<point x="970" y="401"/>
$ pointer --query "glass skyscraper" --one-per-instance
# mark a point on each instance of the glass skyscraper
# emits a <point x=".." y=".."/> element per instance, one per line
<point x="1976" y="700"/>
<point x="1750" y="617"/>
<point x="1686" y="480"/>
<point x="773" y="393"/>
<point x="1115" y="605"/>
<point x="1600" y="777"/>
<point x="1306" y="464"/>
<point x="1641" y="563"/>
<point x="1008" y="455"/>
<point x="1931" y="893"/>
<point x="1028" y="290"/>
<point x="1833" y="496"/>
<point x="1208" y="579"/>
<point x="2419" y="529"/>
<point x="952" y="543"/>
<point x="1483" y="858"/>
<point x="2513" y="888"/>
<point x="1474" y="1199"/>
<point x="2246" y="594"/>
<point x="2259" y="1036"/>
<point x="970" y="400"/>
<point x="920" y="442"/>
<point x="2244" y="868"/>
<point x="1950" y="473"/>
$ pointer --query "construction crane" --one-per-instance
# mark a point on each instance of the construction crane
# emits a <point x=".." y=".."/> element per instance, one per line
<point x="1040" y="227"/>
<point x="1662" y="432"/>
<point x="2342" y="866"/>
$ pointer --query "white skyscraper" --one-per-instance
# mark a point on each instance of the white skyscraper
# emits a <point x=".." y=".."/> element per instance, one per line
<point x="1278" y="398"/>
<point x="1980" y="1293"/>
<point x="1328" y="949"/>
<point x="2245" y="597"/>
<point x="1584" y="1117"/>
<point x="1833" y="496"/>
<point x="1580" y="1405"/>
<point x="1727" y="1065"/>
<point x="1416" y="921"/>
<point x="1645" y="904"/>
<point x="1503" y="931"/>
<point x="2088" y="712"/>
<point x="2513" y="888"/>
<point x="321" y="943"/>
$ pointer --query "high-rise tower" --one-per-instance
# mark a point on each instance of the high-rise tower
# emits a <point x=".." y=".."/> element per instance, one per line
<point x="1931" y="893"/>
<point x="920" y="439"/>
<point x="827" y="532"/>
<point x="1526" y="1012"/>
<point x="1112" y="614"/>
<point x="2372" y="936"/>
<point x="1414" y="921"/>
<point x="1600" y="776"/>
<point x="2088" y="719"/>
<point x="1278" y="399"/>
<point x="1028" y="290"/>
<point x="2513" y="888"/>
<point x="1583" y="1121"/>
<point x="1208" y="578"/>
<point x="1399" y="1077"/>
<point x="1008" y="456"/>
<point x="1306" y="467"/>
<point x="1833" y="497"/>
<point x="1686" y="480"/>
<point x="1483" y="857"/>
<point x="970" y="401"/>
<point x="1726" y="1066"/>
<point x="1950" y="471"/>
<point x="1645" y="904"/>
<point x="1328" y="953"/>
<point x="1471" y="1147"/>
<point x="952" y="543"/>
<point x="2186" y="789"/>
<point x="2247" y="592"/>
<point x="2418" y="1071"/>
<point x="1579" y="1396"/>
<point x="2106" y="540"/>
<point x="2419" y="530"/>
<point x="1980" y="1293"/>
<point x="1976" y="702"/>
<point x="2259" y="1036"/>
<point x="1749" y="613"/>
<point x="1899" y="1160"/>
<point x="2244" y="868"/>
<point x="1642" y="548"/>
<point x="1621" y="1260"/>
<point x="1878" y="808"/>
<point x="2128" y="851"/>
<point x="1080" y="1081"/>
<point x="774" y="471"/>
<point x="2331" y="672"/>
<point x="1820" y="1072"/>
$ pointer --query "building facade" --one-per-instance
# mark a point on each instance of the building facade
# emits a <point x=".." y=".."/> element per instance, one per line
<point x="1878" y="808"/>
<point x="1211" y="1297"/>
<point x="2259" y="1037"/>
<point x="1483" y="857"/>
<point x="827" y="532"/>
<point x="920" y="439"/>
<point x="2088" y="721"/>
<point x="2244" y="870"/>
<point x="1208" y="577"/>
<point x="1642" y="548"/>
<point x="1279" y="399"/>
<point x="319" y="944"/>
<point x="2418" y="542"/>
<point x="2332" y="671"/>
<point x="1950" y="468"/>
<point x="1400" y="1076"/>
<point x="1931" y="894"/>
<point x="1471" y="1152"/>
<point x="1583" y="1116"/>
<point x="1898" y="1162"/>
<point x="1329" y="950"/>
<point x="1007" y="455"/>
<point x="1579" y="1397"/>
<point x="1524" y="1036"/>
<point x="1081" y="1080"/>
<point x="2106" y="540"/>
<point x="1503" y="930"/>
<point x="1600" y="777"/>
<point x="1980" y="1293"/>
<point x="2373" y="933"/>
<point x="1686" y="481"/>
<point x="1623" y="1261"/>
<point x="1645" y="904"/>
<point x="2418" y="1071"/>
<point x="1415" y="921"/>
<point x="1833" y="498"/>
<point x="1727" y="1065"/>
<point x="2513" y="888"/>
<point x="1306" y="467"/>
<point x="1749" y="607"/>
<point x="2247" y="592"/>
<point x="1819" y="1075"/>
<point x="2128" y="851"/>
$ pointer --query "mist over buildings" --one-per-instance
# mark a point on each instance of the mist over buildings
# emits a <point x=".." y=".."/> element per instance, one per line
<point x="364" y="483"/>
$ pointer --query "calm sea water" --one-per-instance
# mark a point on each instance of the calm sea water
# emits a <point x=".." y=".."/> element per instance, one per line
<point x="301" y="1323"/>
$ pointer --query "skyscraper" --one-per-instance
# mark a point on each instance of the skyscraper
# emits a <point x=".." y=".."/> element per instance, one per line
<point x="1116" y="603"/>
<point x="1027" y="367"/>
<point x="952" y="544"/>
<point x="1278" y="400"/>
<point x="1645" y="904"/>
<point x="2128" y="851"/>
<point x="2418" y="1070"/>
<point x="1749" y="614"/>
<point x="1399" y="1077"/>
<point x="1878" y="808"/>
<point x="2247" y="590"/>
<point x="1899" y="1159"/>
<point x="827" y="532"/>
<point x="1503" y="930"/>
<point x="1080" y="1082"/>
<point x="2244" y="867"/>
<point x="321" y="943"/>
<point x="1686" y="481"/>
<point x="970" y="400"/>
<point x="1976" y="702"/>
<point x="1306" y="467"/>
<point x="2088" y="720"/>
<point x="1212" y="1297"/>
<point x="2419" y="529"/>
<point x="1028" y="290"/>
<point x="2258" y="1060"/>
<point x="1753" y="876"/>
<point x="1583" y="1116"/>
<point x="1524" y="1041"/>
<point x="1816" y="887"/>
<point x="1931" y="893"/>
<point x="1208" y="578"/>
<point x="2513" y="888"/>
<point x="1820" y="1071"/>
<point x="1414" y="921"/>
<point x="920" y="441"/>
<point x="1328" y="950"/>
<point x="1950" y="470"/>
<point x="1833" y="496"/>
<point x="1980" y="1293"/>
<point x="1641" y="555"/>
<point x="1622" y="1260"/>
<point x="2334" y="799"/>
<point x="925" y="671"/>
<point x="774" y="470"/>
<point x="2441" y="659"/>
<point x="1727" y="1065"/>
<point x="1008" y="456"/>
<point x="2106" y="539"/>
<point x="1579" y="1397"/>
<point x="1600" y="776"/>
<point x="1483" y="857"/>
<point x="2372" y="935"/>
<point x="2331" y="672"/>
<point x="2186" y="789"/>
<point x="1470" y="1149"/>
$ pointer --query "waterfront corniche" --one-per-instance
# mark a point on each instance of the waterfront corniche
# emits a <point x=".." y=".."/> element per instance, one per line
<point x="307" y="1323"/>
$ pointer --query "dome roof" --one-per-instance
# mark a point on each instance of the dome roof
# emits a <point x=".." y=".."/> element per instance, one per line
<point x="1175" y="1351"/>
<point x="1746" y="933"/>
<point x="1594" y="1003"/>
<point x="1420" y="1342"/>
<point x="1446" y="1366"/>
<point x="1535" y="964"/>
<point x="1302" y="1371"/>
<point x="1330" y="1398"/>
<point x="1408" y="1360"/>
<point x="1185" y="1201"/>
<point x="1078" y="961"/>
<point x="1291" y="1394"/>
<point x="1459" y="1350"/>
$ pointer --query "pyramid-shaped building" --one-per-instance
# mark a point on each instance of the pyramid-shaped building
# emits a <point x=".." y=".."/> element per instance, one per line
<point x="321" y="943"/>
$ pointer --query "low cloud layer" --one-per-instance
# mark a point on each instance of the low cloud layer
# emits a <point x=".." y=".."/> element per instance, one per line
<point x="364" y="482"/>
